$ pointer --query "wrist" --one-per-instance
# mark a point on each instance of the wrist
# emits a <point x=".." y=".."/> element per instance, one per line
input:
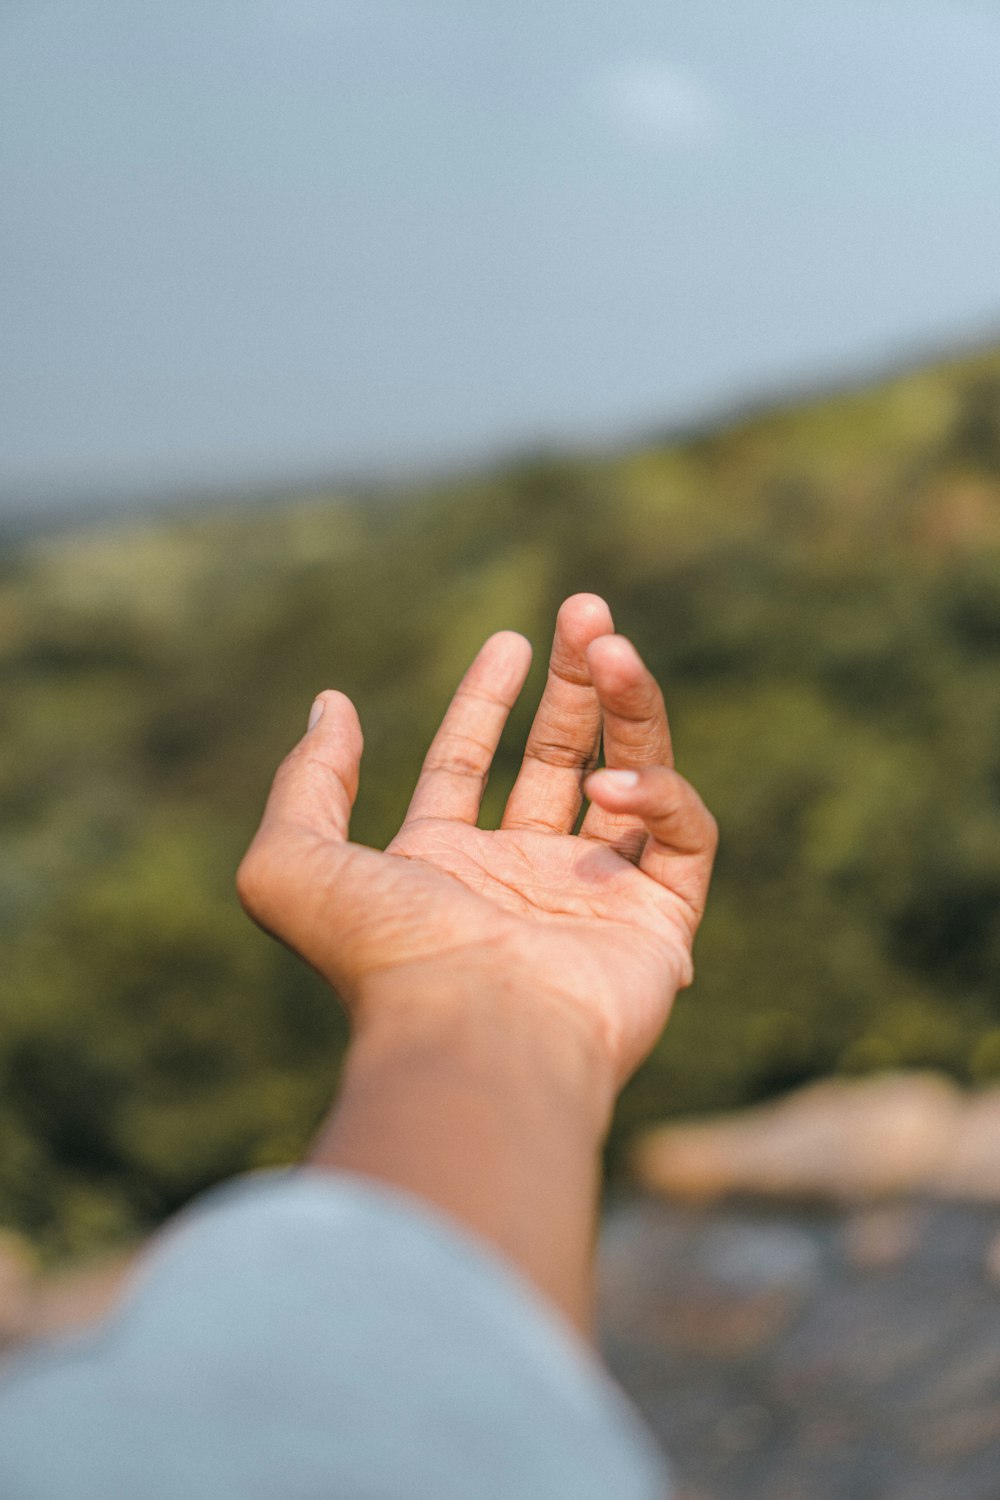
<point x="489" y="1100"/>
<point x="500" y="1029"/>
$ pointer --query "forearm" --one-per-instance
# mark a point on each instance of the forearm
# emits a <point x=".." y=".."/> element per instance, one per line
<point x="491" y="1103"/>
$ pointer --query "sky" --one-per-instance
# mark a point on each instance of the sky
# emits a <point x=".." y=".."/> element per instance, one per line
<point x="245" y="242"/>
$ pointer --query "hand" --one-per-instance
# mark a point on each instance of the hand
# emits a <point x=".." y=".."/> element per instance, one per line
<point x="597" y="926"/>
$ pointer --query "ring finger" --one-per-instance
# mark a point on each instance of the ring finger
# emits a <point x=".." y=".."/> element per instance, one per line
<point x="636" y="734"/>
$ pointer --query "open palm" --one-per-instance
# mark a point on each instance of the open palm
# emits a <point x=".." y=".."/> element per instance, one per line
<point x="601" y="920"/>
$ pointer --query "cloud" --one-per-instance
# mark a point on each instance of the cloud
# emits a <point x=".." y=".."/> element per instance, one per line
<point x="664" y="104"/>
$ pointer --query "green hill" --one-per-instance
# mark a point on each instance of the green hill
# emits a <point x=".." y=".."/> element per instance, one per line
<point x="819" y="591"/>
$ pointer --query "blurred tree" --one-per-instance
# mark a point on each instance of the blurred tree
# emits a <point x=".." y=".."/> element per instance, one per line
<point x="816" y="588"/>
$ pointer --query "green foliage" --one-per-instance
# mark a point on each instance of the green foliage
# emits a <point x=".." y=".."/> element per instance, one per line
<point x="819" y="590"/>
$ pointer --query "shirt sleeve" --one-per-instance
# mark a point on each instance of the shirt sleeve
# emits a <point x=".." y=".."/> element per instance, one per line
<point x="315" y="1336"/>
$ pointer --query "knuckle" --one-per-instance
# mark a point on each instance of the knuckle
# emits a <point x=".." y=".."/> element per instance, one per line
<point x="630" y="842"/>
<point x="665" y="788"/>
<point x="639" y="739"/>
<point x="304" y="774"/>
<point x="457" y="765"/>
<point x="562" y="754"/>
<point x="566" y="669"/>
<point x="253" y="881"/>
<point x="472" y="694"/>
<point x="641" y="703"/>
<point x="463" y="755"/>
<point x="290" y="767"/>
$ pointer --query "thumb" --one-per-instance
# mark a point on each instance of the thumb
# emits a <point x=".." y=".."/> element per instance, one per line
<point x="309" y="804"/>
<point x="316" y="784"/>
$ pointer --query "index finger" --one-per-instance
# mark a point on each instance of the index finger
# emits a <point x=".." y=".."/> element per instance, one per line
<point x="461" y="753"/>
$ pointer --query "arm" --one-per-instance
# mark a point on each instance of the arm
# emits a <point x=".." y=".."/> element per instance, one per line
<point x="460" y="1090"/>
<point x="503" y="984"/>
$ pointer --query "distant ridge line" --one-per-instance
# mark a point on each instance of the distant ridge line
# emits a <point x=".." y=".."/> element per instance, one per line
<point x="23" y="518"/>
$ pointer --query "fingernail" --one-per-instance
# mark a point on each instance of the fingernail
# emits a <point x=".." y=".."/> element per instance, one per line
<point x="622" y="779"/>
<point x="315" y="714"/>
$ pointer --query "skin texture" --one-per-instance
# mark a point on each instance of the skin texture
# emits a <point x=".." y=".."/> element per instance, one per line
<point x="503" y="983"/>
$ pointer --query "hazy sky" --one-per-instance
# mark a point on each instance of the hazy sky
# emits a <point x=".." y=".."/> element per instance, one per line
<point x="242" y="239"/>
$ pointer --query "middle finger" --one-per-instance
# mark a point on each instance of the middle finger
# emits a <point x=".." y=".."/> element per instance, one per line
<point x="563" y="742"/>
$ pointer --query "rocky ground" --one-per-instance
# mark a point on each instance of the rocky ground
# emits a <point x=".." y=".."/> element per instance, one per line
<point x="785" y="1353"/>
<point x="809" y="1306"/>
<point x="804" y="1300"/>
